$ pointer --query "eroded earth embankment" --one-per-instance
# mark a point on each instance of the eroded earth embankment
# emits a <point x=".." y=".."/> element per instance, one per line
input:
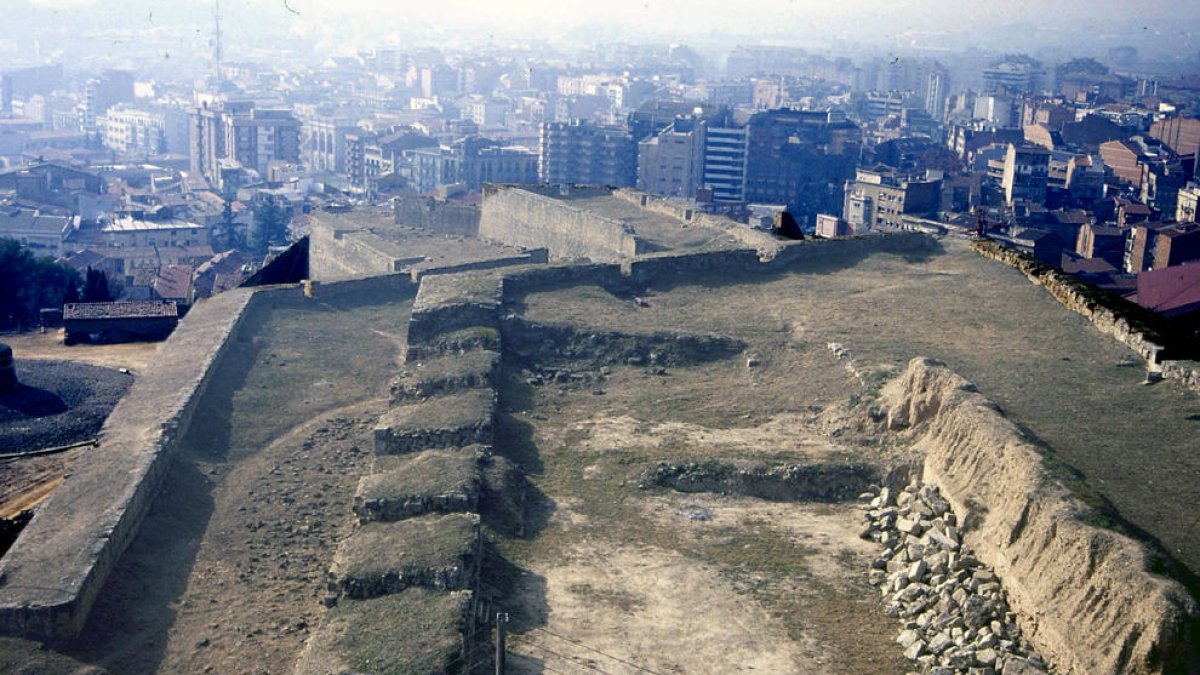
<point x="1086" y="596"/>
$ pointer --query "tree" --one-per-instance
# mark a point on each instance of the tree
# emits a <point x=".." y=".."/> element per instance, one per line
<point x="270" y="226"/>
<point x="28" y="284"/>
<point x="1083" y="66"/>
<point x="71" y="294"/>
<point x="95" y="286"/>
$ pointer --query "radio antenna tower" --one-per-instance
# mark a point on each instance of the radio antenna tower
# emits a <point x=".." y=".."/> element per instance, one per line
<point x="217" y="74"/>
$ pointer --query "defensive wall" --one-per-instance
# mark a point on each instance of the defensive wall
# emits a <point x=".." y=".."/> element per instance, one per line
<point x="52" y="574"/>
<point x="688" y="214"/>
<point x="1111" y="615"/>
<point x="1085" y="596"/>
<point x="341" y="253"/>
<point x="427" y="213"/>
<point x="523" y="217"/>
<point x="1165" y="347"/>
<point x="338" y="253"/>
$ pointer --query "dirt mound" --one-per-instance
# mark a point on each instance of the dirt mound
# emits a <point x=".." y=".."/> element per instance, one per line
<point x="57" y="403"/>
<point x="825" y="482"/>
<point x="1085" y="595"/>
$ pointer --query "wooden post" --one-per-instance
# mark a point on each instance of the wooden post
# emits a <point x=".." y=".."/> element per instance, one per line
<point x="501" y="652"/>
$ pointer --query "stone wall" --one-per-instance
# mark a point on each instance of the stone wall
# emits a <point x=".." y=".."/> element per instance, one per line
<point x="1085" y="596"/>
<point x="1151" y="336"/>
<point x="52" y="574"/>
<point x="686" y="212"/>
<point x="454" y="302"/>
<point x="537" y="256"/>
<point x="815" y="252"/>
<point x="524" y="279"/>
<point x="339" y="254"/>
<point x="663" y="268"/>
<point x="438" y="216"/>
<point x="520" y="217"/>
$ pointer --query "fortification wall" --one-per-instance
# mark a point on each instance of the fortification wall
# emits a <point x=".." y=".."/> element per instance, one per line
<point x="438" y="216"/>
<point x="813" y="252"/>
<point x="660" y="268"/>
<point x="520" y="217"/>
<point x="52" y="574"/>
<point x="1084" y="596"/>
<point x="455" y="302"/>
<point x="686" y="212"/>
<point x="539" y="256"/>
<point x="338" y="254"/>
<point x="1136" y="327"/>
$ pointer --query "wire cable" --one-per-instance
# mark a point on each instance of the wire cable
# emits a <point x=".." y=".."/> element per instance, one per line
<point x="571" y="659"/>
<point x="590" y="648"/>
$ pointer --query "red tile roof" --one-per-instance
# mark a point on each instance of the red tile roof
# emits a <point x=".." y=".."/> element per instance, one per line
<point x="1170" y="289"/>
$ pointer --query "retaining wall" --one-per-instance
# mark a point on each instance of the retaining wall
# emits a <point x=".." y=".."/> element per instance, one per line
<point x="1136" y="327"/>
<point x="686" y="212"/>
<point x="339" y="254"/>
<point x="52" y="574"/>
<point x="520" y="217"/>
<point x="433" y="215"/>
<point x="1084" y="595"/>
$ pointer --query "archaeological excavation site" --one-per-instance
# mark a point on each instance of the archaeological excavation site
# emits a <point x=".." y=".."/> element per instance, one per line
<point x="581" y="429"/>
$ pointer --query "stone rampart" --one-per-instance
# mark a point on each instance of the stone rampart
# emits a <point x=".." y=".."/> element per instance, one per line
<point x="454" y="420"/>
<point x="454" y="302"/>
<point x="1085" y="596"/>
<point x="424" y="377"/>
<point x="520" y="217"/>
<point x="438" y="216"/>
<point x="814" y="252"/>
<point x="689" y="214"/>
<point x="436" y="551"/>
<point x="546" y="277"/>
<point x="52" y="574"/>
<point x="339" y="254"/>
<point x="669" y="267"/>
<point x="537" y="256"/>
<point x="1151" y="336"/>
<point x="434" y="481"/>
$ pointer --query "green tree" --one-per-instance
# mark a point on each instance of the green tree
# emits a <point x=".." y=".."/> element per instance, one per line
<point x="28" y="284"/>
<point x="95" y="286"/>
<point x="270" y="226"/>
<point x="1082" y="66"/>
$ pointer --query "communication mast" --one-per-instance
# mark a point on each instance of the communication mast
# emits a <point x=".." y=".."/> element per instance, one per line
<point x="217" y="74"/>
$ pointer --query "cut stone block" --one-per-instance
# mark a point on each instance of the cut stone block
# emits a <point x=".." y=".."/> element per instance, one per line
<point x="434" y="481"/>
<point x="435" y="551"/>
<point x="417" y="631"/>
<point x="455" y="420"/>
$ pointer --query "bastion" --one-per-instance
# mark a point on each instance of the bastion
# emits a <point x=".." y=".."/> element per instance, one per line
<point x="639" y="432"/>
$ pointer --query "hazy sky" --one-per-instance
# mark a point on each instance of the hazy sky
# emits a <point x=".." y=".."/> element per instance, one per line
<point x="805" y="21"/>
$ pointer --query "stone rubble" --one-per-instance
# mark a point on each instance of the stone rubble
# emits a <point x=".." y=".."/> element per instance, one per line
<point x="953" y="610"/>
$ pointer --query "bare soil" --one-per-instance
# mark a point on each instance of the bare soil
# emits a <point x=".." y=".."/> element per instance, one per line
<point x="1117" y="442"/>
<point x="613" y="574"/>
<point x="134" y="356"/>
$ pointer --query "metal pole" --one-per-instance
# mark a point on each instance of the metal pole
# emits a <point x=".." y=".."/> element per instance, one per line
<point x="501" y="652"/>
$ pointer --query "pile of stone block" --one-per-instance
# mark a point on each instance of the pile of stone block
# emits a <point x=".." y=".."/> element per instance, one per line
<point x="953" y="608"/>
